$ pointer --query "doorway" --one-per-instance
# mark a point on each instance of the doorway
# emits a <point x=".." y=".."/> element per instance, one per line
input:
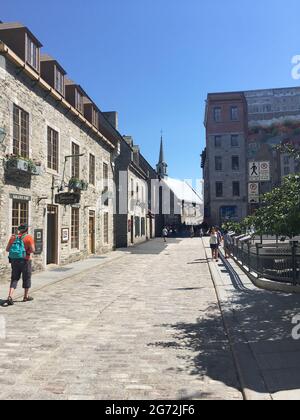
<point x="92" y="217"/>
<point x="52" y="230"/>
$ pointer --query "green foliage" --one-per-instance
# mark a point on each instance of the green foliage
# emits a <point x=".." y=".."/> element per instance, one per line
<point x="280" y="213"/>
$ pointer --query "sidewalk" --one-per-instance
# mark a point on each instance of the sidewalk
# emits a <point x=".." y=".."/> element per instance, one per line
<point x="58" y="274"/>
<point x="259" y="324"/>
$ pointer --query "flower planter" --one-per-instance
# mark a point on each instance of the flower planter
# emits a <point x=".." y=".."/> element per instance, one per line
<point x="78" y="185"/>
<point x="22" y="166"/>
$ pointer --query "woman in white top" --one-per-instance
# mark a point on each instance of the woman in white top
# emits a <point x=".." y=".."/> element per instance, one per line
<point x="214" y="244"/>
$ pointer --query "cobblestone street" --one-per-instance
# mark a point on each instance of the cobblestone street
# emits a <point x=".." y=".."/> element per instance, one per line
<point x="134" y="328"/>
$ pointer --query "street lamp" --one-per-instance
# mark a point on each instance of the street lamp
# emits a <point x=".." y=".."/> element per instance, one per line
<point x="2" y="135"/>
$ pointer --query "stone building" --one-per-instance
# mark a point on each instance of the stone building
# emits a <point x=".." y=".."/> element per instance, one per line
<point x="57" y="168"/>
<point x="134" y="221"/>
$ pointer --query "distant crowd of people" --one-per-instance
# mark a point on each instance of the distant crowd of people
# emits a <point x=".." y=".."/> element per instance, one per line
<point x="216" y="235"/>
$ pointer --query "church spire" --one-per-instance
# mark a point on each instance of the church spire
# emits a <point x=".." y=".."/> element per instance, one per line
<point x="162" y="166"/>
<point x="161" y="153"/>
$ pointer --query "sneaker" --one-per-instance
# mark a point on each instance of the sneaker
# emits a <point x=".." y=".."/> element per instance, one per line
<point x="28" y="299"/>
<point x="10" y="302"/>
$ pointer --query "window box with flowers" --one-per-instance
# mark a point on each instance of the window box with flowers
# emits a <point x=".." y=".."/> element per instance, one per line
<point x="18" y="164"/>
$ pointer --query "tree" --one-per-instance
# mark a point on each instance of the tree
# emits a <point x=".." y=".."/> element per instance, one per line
<point x="280" y="211"/>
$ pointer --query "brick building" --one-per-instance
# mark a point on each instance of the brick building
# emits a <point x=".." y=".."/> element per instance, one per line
<point x="57" y="162"/>
<point x="245" y="127"/>
<point x="224" y="163"/>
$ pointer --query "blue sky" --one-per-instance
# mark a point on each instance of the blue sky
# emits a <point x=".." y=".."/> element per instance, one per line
<point x="154" y="61"/>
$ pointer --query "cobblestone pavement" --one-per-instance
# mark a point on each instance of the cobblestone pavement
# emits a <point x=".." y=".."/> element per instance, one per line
<point x="135" y="328"/>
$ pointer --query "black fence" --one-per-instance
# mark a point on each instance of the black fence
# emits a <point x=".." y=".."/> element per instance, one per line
<point x="273" y="261"/>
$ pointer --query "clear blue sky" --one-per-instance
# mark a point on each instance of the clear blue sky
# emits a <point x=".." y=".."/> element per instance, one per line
<point x="154" y="61"/>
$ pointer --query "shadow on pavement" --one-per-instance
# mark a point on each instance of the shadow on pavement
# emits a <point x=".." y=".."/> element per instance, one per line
<point x="259" y="319"/>
<point x="154" y="247"/>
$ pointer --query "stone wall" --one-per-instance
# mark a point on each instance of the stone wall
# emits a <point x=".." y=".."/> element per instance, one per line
<point x="16" y="88"/>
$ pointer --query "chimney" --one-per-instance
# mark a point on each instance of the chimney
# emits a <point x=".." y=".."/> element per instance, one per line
<point x="113" y="118"/>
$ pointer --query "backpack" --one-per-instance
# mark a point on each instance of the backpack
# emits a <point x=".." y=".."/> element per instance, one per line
<point x="17" y="250"/>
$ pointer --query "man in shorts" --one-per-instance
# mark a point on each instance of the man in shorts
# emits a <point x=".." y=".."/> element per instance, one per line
<point x="20" y="248"/>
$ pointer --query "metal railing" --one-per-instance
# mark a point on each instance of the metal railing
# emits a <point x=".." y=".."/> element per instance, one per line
<point x="273" y="261"/>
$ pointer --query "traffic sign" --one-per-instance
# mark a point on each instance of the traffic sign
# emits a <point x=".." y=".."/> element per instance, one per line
<point x="264" y="171"/>
<point x="253" y="192"/>
<point x="254" y="171"/>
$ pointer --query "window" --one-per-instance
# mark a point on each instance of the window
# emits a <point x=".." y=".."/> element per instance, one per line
<point x="59" y="81"/>
<point x="137" y="192"/>
<point x="75" y="161"/>
<point x="287" y="170"/>
<point x="228" y="212"/>
<point x="236" y="189"/>
<point x="234" y="113"/>
<point x="105" y="228"/>
<point x="137" y="227"/>
<point x="218" y="141"/>
<point x="19" y="214"/>
<point x="75" y="229"/>
<point x="219" y="189"/>
<point x="217" y="114"/>
<point x="105" y="183"/>
<point x="78" y="101"/>
<point x="32" y="53"/>
<point x="235" y="163"/>
<point x="218" y="163"/>
<point x="92" y="170"/>
<point x="132" y="187"/>
<point x="234" y="141"/>
<point x="286" y="160"/>
<point x="95" y="117"/>
<point x="20" y="132"/>
<point x="143" y="227"/>
<point x="52" y="149"/>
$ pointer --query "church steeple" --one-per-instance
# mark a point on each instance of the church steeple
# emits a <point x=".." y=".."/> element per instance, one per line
<point x="161" y="167"/>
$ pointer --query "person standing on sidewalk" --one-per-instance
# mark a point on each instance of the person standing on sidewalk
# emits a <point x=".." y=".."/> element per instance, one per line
<point x="165" y="234"/>
<point x="228" y="242"/>
<point x="214" y="244"/>
<point x="20" y="248"/>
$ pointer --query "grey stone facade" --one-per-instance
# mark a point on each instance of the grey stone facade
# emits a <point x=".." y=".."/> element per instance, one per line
<point x="16" y="88"/>
<point x="134" y="223"/>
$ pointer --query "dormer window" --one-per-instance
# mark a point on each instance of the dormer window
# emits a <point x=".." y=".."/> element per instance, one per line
<point x="32" y="53"/>
<point x="95" y="117"/>
<point x="59" y="81"/>
<point x="78" y="101"/>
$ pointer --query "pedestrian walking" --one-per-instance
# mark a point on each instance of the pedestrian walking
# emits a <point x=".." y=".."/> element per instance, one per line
<point x="20" y="248"/>
<point x="214" y="244"/>
<point x="165" y="234"/>
<point x="228" y="242"/>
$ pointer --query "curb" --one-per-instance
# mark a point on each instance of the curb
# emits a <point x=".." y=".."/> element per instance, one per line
<point x="270" y="285"/>
<point x="243" y="356"/>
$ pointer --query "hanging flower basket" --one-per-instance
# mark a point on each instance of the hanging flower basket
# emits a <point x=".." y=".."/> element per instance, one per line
<point x="76" y="184"/>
